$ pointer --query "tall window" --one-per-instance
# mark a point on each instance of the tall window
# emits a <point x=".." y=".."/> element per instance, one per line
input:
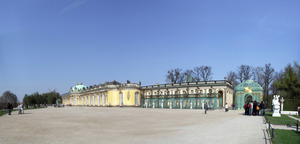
<point x="103" y="99"/>
<point x="99" y="100"/>
<point x="121" y="99"/>
<point x="136" y="99"/>
<point x="94" y="100"/>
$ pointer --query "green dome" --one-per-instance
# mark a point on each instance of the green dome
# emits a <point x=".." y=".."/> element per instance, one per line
<point x="248" y="83"/>
<point x="79" y="87"/>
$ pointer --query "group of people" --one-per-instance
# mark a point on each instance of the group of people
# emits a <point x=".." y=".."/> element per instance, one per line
<point x="10" y="108"/>
<point x="254" y="108"/>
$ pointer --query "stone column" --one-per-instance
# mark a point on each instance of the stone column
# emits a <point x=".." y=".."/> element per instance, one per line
<point x="281" y="100"/>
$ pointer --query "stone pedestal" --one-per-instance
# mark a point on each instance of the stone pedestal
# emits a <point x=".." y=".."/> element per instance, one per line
<point x="276" y="106"/>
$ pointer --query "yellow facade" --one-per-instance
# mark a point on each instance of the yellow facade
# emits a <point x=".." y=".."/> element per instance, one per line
<point x="105" y="95"/>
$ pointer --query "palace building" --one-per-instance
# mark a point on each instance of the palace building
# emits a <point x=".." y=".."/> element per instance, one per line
<point x="187" y="95"/>
<point x="107" y="94"/>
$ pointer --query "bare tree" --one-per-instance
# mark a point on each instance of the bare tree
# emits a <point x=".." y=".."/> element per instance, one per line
<point x="205" y="73"/>
<point x="268" y="78"/>
<point x="188" y="75"/>
<point x="175" y="76"/>
<point x="244" y="72"/>
<point x="8" y="97"/>
<point x="258" y="75"/>
<point x="197" y="73"/>
<point x="277" y="77"/>
<point x="232" y="77"/>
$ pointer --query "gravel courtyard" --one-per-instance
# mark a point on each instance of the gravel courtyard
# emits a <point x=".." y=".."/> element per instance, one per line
<point x="93" y="125"/>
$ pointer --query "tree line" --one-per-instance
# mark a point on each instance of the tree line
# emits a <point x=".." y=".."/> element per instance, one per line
<point x="198" y="73"/>
<point x="36" y="99"/>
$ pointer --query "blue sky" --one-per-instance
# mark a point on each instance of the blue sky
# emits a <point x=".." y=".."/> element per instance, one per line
<point x="54" y="44"/>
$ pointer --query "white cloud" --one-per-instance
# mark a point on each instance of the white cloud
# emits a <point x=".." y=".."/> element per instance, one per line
<point x="73" y="5"/>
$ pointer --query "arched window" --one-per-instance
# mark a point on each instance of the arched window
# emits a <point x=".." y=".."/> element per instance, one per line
<point x="192" y="91"/>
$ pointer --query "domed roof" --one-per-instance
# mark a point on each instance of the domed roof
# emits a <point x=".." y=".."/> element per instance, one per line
<point x="248" y="83"/>
<point x="79" y="87"/>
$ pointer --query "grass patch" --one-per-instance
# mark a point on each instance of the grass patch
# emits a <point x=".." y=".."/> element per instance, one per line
<point x="284" y="119"/>
<point x="286" y="136"/>
<point x="5" y="111"/>
<point x="296" y="116"/>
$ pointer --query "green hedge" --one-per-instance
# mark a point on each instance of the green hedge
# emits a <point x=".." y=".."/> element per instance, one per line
<point x="291" y="104"/>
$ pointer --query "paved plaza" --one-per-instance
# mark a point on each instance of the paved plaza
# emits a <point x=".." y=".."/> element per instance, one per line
<point x="113" y="125"/>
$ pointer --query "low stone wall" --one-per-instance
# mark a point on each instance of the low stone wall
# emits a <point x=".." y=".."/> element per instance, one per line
<point x="289" y="112"/>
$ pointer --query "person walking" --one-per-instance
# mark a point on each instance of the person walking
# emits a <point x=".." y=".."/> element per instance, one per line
<point x="205" y="107"/>
<point x="226" y="107"/>
<point x="262" y="107"/>
<point x="250" y="108"/>
<point x="20" y="108"/>
<point x="232" y="106"/>
<point x="246" y="107"/>
<point x="258" y="108"/>
<point x="10" y="108"/>
<point x="254" y="108"/>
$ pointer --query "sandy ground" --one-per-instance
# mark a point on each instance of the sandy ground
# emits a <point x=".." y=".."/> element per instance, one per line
<point x="72" y="125"/>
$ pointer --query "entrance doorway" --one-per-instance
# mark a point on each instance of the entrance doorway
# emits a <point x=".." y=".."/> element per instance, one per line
<point x="220" y="98"/>
<point x="248" y="98"/>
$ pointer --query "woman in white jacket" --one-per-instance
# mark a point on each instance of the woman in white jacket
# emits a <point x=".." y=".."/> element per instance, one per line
<point x="226" y="107"/>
